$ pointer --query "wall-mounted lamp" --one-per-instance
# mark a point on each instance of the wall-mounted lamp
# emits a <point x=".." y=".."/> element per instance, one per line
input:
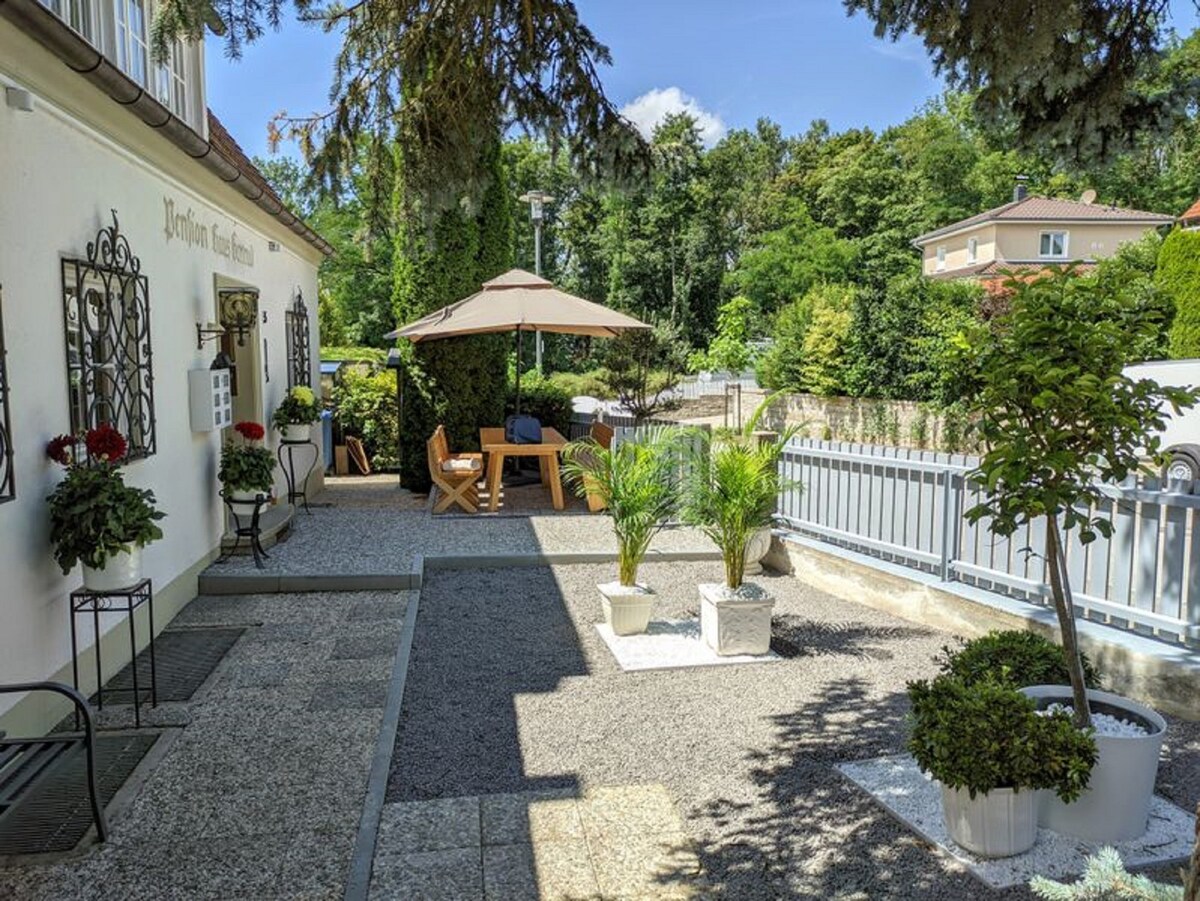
<point x="210" y="331"/>
<point x="238" y="310"/>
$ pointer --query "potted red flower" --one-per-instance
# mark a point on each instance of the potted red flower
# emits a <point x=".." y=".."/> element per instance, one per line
<point x="95" y="518"/>
<point x="247" y="468"/>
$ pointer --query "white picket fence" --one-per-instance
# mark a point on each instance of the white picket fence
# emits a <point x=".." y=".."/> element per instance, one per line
<point x="906" y="506"/>
<point x="713" y="384"/>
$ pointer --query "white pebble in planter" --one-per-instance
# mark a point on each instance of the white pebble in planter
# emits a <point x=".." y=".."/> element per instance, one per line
<point x="736" y="620"/>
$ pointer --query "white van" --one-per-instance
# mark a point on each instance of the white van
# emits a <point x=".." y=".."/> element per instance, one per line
<point x="1181" y="438"/>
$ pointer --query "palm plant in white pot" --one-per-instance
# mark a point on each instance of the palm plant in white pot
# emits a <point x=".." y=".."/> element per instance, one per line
<point x="638" y="482"/>
<point x="731" y="496"/>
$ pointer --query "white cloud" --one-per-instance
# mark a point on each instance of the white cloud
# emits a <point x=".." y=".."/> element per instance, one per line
<point x="652" y="107"/>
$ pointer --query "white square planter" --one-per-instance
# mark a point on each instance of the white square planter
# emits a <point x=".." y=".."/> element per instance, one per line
<point x="627" y="608"/>
<point x="736" y="621"/>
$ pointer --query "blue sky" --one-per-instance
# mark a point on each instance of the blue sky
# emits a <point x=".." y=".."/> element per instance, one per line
<point x="790" y="60"/>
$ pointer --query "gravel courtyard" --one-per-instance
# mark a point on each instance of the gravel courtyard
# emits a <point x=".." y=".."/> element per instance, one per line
<point x="511" y="690"/>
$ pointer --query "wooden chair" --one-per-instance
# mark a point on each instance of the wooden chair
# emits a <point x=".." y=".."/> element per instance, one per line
<point x="455" y="475"/>
<point x="603" y="435"/>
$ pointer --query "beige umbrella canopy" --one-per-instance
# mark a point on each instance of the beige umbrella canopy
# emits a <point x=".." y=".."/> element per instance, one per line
<point x="523" y="302"/>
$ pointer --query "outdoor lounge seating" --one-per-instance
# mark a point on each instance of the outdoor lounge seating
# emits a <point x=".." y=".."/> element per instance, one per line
<point x="23" y="761"/>
<point x="455" y="475"/>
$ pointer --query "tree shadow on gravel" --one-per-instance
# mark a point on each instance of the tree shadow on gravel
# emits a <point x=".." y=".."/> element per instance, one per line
<point x="812" y="833"/>
<point x="796" y="636"/>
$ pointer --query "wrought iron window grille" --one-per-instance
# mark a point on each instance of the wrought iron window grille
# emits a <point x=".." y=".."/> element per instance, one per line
<point x="8" y="485"/>
<point x="106" y="313"/>
<point x="299" y="361"/>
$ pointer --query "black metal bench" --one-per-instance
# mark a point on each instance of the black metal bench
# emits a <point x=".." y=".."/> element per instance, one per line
<point x="24" y="760"/>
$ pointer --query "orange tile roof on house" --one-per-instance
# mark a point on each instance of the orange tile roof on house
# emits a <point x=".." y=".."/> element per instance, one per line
<point x="1048" y="209"/>
<point x="1192" y="212"/>
<point x="1003" y="269"/>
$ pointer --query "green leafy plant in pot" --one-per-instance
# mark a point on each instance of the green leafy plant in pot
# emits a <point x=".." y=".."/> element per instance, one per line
<point x="991" y="750"/>
<point x="247" y="469"/>
<point x="296" y="413"/>
<point x="1058" y="416"/>
<point x="638" y="482"/>
<point x="731" y="495"/>
<point x="95" y="518"/>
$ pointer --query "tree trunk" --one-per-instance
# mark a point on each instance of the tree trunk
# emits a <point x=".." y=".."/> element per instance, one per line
<point x="1060" y="587"/>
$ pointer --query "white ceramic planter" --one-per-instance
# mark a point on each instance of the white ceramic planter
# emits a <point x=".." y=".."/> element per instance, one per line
<point x="627" y="608"/>
<point x="757" y="548"/>
<point x="120" y="571"/>
<point x="999" y="824"/>
<point x="296" y="432"/>
<point x="1116" y="805"/>
<point x="736" y="622"/>
<point x="245" y="499"/>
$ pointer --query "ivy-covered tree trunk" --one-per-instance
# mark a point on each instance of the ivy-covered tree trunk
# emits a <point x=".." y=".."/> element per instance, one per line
<point x="460" y="383"/>
<point x="1060" y="588"/>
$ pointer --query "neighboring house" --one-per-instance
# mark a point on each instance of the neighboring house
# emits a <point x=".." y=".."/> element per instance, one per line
<point x="99" y="144"/>
<point x="1190" y="220"/>
<point x="1029" y="233"/>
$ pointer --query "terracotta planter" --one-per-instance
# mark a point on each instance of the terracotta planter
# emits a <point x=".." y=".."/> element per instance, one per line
<point x="1001" y="823"/>
<point x="295" y="432"/>
<point x="734" y="622"/>
<point x="1116" y="805"/>
<point x="120" y="571"/>
<point x="627" y="608"/>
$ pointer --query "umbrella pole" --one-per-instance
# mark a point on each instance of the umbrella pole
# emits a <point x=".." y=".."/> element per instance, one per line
<point x="519" y="344"/>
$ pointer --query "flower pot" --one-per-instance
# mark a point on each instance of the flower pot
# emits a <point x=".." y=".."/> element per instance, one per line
<point x="736" y="621"/>
<point x="120" y="571"/>
<point x="1116" y="805"/>
<point x="245" y="499"/>
<point x="627" y="608"/>
<point x="1001" y="823"/>
<point x="295" y="432"/>
<point x="757" y="548"/>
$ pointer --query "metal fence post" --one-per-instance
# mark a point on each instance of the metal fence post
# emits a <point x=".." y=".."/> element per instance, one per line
<point x="949" y="524"/>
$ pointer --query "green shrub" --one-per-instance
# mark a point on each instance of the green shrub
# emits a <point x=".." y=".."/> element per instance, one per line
<point x="1016" y="658"/>
<point x="247" y="467"/>
<point x="1178" y="276"/>
<point x="374" y="355"/>
<point x="988" y="735"/>
<point x="544" y="400"/>
<point x="365" y="407"/>
<point x="577" y="384"/>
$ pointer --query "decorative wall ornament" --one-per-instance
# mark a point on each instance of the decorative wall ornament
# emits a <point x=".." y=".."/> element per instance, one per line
<point x="106" y="314"/>
<point x="8" y="486"/>
<point x="299" y="362"/>
<point x="238" y="311"/>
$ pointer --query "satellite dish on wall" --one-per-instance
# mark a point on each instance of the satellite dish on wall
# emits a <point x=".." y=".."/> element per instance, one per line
<point x="1088" y="196"/>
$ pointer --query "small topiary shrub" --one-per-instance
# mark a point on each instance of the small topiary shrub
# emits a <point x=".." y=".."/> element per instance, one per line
<point x="1015" y="658"/>
<point x="1178" y="276"/>
<point x="987" y="735"/>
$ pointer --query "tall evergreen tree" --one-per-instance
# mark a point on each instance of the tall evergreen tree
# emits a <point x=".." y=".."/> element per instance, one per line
<point x="460" y="383"/>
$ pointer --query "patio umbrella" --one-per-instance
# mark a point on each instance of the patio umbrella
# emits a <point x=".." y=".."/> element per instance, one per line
<point x="522" y="302"/>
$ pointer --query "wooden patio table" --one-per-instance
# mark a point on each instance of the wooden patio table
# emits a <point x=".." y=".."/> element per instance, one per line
<point x="491" y="441"/>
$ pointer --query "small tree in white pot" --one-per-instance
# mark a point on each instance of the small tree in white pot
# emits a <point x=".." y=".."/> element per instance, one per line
<point x="732" y="495"/>
<point x="638" y="482"/>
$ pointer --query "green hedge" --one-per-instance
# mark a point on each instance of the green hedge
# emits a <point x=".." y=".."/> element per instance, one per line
<point x="1178" y="276"/>
<point x="543" y="399"/>
<point x="365" y="407"/>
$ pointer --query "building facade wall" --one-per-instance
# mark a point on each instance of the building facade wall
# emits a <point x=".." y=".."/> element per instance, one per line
<point x="63" y="174"/>
<point x="956" y="250"/>
<point x="1086" y="241"/>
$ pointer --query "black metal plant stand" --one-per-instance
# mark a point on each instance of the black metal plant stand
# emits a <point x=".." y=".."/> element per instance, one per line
<point x="126" y="601"/>
<point x="251" y="531"/>
<point x="297" y="489"/>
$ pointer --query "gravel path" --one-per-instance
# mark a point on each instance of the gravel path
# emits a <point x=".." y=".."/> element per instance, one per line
<point x="511" y="689"/>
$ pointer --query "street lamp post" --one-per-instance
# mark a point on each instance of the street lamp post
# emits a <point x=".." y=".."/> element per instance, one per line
<point x="537" y="201"/>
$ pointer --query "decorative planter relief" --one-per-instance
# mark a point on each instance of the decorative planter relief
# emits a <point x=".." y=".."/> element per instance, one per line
<point x="736" y="621"/>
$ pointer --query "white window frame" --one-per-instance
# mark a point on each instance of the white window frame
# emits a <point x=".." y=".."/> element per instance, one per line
<point x="972" y="250"/>
<point x="132" y="45"/>
<point x="81" y="15"/>
<point x="940" y="254"/>
<point x="1066" y="239"/>
<point x="172" y="87"/>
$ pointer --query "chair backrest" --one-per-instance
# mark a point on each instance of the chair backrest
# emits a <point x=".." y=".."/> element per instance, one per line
<point x="602" y="434"/>
<point x="435" y="451"/>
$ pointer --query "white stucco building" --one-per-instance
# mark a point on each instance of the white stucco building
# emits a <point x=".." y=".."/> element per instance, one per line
<point x="93" y="134"/>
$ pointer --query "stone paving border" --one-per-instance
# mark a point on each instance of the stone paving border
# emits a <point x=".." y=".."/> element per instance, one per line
<point x="359" y="882"/>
